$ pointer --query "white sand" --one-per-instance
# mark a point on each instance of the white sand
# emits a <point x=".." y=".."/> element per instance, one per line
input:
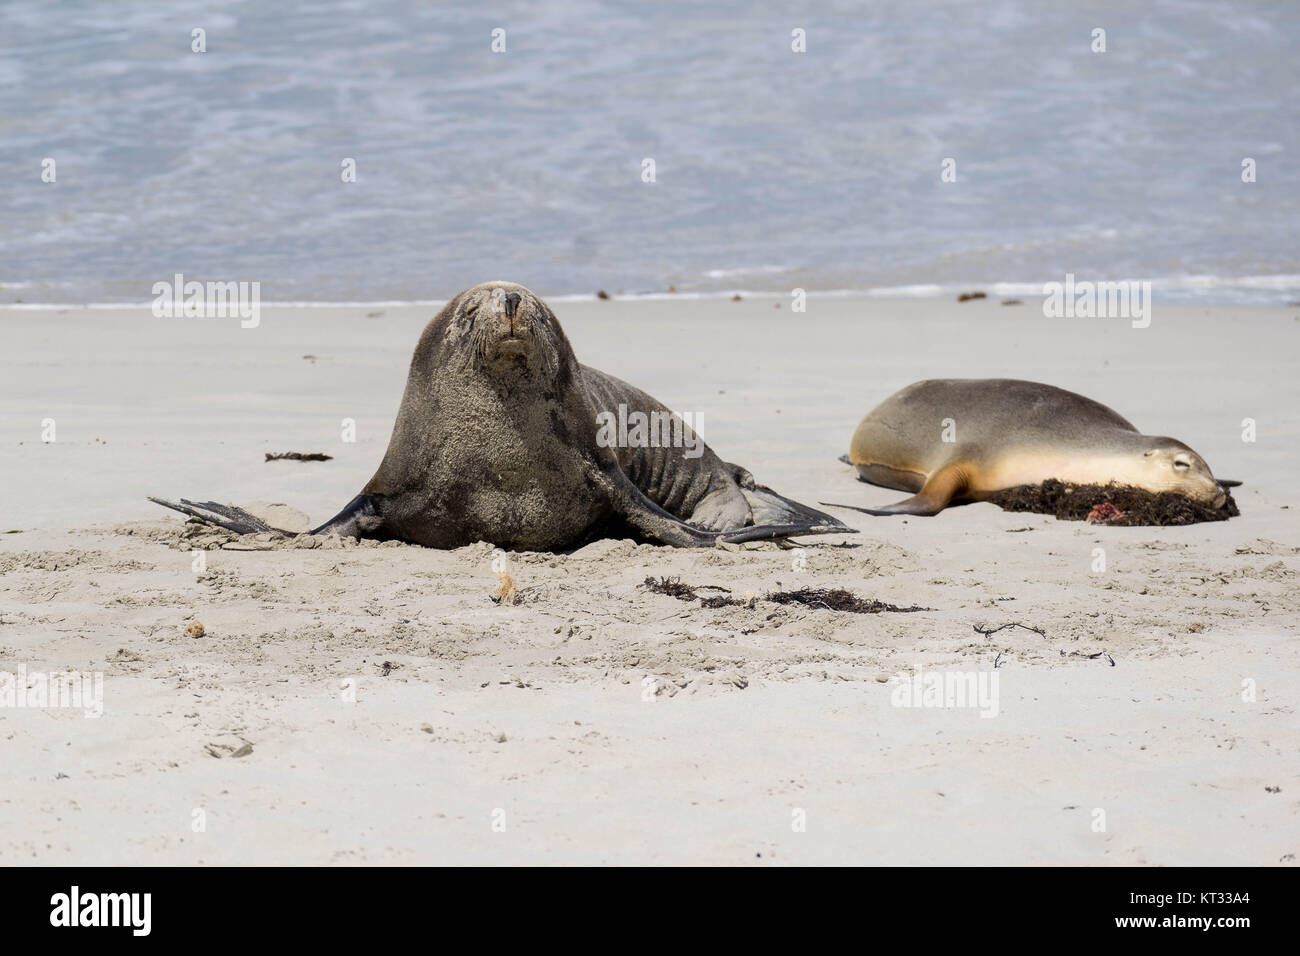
<point x="537" y="709"/>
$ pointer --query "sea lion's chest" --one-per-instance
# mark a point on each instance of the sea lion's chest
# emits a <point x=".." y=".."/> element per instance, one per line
<point x="1032" y="466"/>
<point x="510" y="471"/>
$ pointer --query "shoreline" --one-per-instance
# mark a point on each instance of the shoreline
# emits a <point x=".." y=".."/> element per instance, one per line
<point x="1285" y="285"/>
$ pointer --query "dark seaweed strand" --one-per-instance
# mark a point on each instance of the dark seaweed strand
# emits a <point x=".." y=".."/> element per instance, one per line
<point x="835" y="599"/>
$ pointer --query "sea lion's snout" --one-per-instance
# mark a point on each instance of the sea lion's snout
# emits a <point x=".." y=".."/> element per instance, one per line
<point x="511" y="302"/>
<point x="503" y="329"/>
<point x="507" y="321"/>
<point x="514" y="328"/>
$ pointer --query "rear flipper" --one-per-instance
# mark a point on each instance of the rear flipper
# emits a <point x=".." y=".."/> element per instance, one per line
<point x="936" y="494"/>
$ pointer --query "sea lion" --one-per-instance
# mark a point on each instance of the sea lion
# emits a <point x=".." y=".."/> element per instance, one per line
<point x="499" y="438"/>
<point x="951" y="440"/>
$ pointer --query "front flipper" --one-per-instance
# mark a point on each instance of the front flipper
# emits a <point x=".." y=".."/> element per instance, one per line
<point x="654" y="522"/>
<point x="936" y="494"/>
<point x="740" y="475"/>
<point x="360" y="518"/>
<point x="647" y="518"/>
<point x="722" y="509"/>
<point x="770" y="508"/>
<point x="770" y="532"/>
<point x="223" y="516"/>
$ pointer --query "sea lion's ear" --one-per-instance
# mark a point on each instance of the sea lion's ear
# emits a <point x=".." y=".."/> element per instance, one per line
<point x="1148" y="453"/>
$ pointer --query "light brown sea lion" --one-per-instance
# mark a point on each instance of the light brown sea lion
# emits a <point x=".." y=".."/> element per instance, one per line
<point x="499" y="438"/>
<point x="953" y="440"/>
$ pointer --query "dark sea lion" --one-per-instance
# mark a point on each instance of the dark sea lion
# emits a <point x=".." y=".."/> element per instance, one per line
<point x="499" y="438"/>
<point x="1006" y="433"/>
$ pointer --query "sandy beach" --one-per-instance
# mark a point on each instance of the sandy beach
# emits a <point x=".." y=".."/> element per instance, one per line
<point x="370" y="704"/>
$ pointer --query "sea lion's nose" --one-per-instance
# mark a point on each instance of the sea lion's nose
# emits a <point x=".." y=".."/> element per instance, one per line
<point x="512" y="304"/>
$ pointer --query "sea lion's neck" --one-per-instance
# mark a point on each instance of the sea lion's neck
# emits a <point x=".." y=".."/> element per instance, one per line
<point x="1120" y="458"/>
<point x="1033" y="467"/>
<point x="517" y="385"/>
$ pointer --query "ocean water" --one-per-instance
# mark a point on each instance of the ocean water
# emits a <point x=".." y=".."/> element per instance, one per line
<point x="773" y="169"/>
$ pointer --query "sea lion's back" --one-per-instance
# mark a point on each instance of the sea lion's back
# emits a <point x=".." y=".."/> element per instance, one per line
<point x="937" y="418"/>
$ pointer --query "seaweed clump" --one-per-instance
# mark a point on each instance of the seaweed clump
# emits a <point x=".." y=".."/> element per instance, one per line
<point x="1111" y="504"/>
<point x="298" y="456"/>
<point x="837" y="599"/>
<point x="834" y="599"/>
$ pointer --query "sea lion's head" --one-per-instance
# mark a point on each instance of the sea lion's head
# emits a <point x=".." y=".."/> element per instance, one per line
<point x="502" y="327"/>
<point x="1169" y="465"/>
